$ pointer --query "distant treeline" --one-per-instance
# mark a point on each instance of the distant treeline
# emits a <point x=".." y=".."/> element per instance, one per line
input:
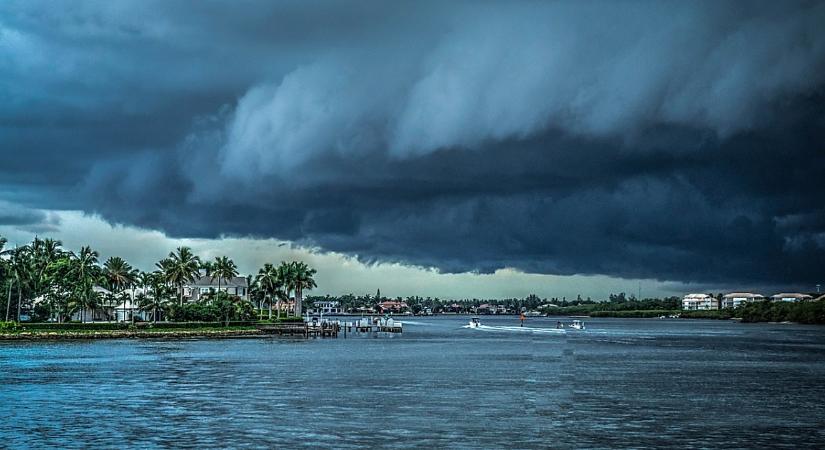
<point x="617" y="305"/>
<point x="579" y="305"/>
<point x="801" y="312"/>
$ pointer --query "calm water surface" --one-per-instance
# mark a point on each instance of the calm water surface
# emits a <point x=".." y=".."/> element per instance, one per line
<point x="621" y="383"/>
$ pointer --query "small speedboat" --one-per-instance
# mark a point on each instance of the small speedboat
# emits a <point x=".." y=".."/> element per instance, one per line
<point x="475" y="322"/>
<point x="577" y="325"/>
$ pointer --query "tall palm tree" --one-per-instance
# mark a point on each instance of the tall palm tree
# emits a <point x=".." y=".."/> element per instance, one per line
<point x="86" y="274"/>
<point x="20" y="266"/>
<point x="4" y="268"/>
<point x="160" y="293"/>
<point x="223" y="269"/>
<point x="181" y="268"/>
<point x="120" y="275"/>
<point x="302" y="279"/>
<point x="285" y="273"/>
<point x="270" y="282"/>
<point x="45" y="253"/>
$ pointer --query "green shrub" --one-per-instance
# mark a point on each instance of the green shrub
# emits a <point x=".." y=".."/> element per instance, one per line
<point x="7" y="327"/>
<point x="74" y="326"/>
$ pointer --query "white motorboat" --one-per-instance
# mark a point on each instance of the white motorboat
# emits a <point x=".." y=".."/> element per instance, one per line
<point x="577" y="325"/>
<point x="475" y="322"/>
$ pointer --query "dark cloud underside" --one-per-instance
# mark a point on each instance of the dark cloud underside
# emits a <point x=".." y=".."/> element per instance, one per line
<point x="677" y="141"/>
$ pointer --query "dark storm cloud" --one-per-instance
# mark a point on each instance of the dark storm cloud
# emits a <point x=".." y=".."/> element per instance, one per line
<point x="679" y="141"/>
<point x="27" y="219"/>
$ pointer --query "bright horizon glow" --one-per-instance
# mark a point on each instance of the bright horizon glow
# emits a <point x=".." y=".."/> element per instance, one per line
<point x="338" y="274"/>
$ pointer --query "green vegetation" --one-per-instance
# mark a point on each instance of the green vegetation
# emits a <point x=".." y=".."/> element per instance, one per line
<point x="651" y="313"/>
<point x="109" y="326"/>
<point x="801" y="312"/>
<point x="42" y="282"/>
<point x="104" y="329"/>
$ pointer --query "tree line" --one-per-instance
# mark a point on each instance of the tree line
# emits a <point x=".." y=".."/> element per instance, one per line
<point x="579" y="304"/>
<point x="45" y="281"/>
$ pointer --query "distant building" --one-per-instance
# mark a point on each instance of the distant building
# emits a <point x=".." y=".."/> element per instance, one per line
<point x="103" y="312"/>
<point x="699" y="302"/>
<point x="393" y="306"/>
<point x="453" y="308"/>
<point x="734" y="299"/>
<point x="192" y="292"/>
<point x="791" y="297"/>
<point x="327" y="307"/>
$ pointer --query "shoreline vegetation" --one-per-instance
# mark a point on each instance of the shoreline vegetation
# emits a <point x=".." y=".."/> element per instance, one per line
<point x="42" y="282"/>
<point x="803" y="313"/>
<point x="107" y="330"/>
<point x="47" y="291"/>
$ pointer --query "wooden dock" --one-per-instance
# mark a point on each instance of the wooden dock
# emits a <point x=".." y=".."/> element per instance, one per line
<point x="332" y="328"/>
<point x="324" y="329"/>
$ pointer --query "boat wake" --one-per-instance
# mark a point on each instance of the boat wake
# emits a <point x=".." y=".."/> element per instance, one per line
<point x="517" y="329"/>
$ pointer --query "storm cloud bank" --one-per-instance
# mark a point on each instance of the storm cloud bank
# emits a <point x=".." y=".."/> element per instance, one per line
<point x="676" y="141"/>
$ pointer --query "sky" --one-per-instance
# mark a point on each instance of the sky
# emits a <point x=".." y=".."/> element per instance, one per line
<point x="454" y="149"/>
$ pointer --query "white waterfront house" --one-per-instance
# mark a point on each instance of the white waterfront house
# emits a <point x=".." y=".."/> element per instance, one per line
<point x="734" y="299"/>
<point x="791" y="297"/>
<point x="699" y="302"/>
<point x="192" y="292"/>
<point x="327" y="307"/>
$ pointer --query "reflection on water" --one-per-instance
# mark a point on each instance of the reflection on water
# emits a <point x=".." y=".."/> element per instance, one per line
<point x="620" y="383"/>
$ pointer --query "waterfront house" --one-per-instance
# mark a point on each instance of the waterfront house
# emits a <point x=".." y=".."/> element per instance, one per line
<point x="486" y="308"/>
<point x="327" y="307"/>
<point x="453" y="308"/>
<point x="393" y="306"/>
<point x="699" y="302"/>
<point x="790" y="297"/>
<point x="103" y="310"/>
<point x="129" y="310"/>
<point x="734" y="299"/>
<point x="194" y="291"/>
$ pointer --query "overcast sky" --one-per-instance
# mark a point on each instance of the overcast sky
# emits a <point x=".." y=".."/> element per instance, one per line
<point x="440" y="148"/>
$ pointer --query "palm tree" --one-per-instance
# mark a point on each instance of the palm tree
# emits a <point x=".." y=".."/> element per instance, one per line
<point x="270" y="282"/>
<point x="6" y="272"/>
<point x="301" y="277"/>
<point x="86" y="274"/>
<point x="119" y="275"/>
<point x="223" y="269"/>
<point x="160" y="294"/>
<point x="20" y="267"/>
<point x="45" y="252"/>
<point x="285" y="274"/>
<point x="9" y="267"/>
<point x="180" y="268"/>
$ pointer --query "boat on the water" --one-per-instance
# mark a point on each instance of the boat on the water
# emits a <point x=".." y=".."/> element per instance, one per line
<point x="475" y="322"/>
<point x="577" y="325"/>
